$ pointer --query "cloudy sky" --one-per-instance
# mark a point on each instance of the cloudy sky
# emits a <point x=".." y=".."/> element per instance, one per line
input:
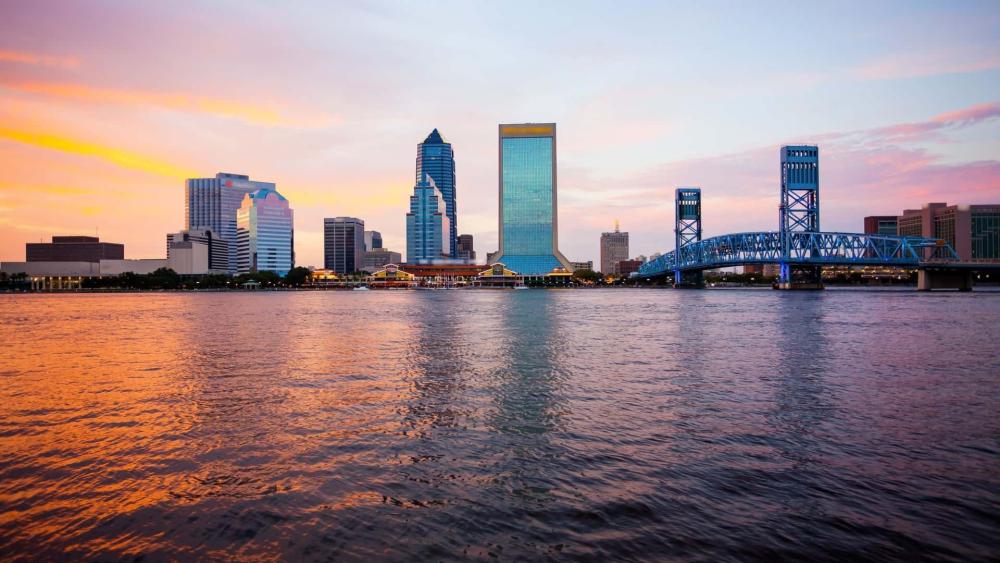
<point x="106" y="106"/>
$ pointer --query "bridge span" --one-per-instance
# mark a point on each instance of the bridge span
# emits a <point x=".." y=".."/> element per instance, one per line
<point x="799" y="247"/>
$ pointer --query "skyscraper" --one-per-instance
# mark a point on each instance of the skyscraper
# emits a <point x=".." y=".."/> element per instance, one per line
<point x="436" y="159"/>
<point x="343" y="244"/>
<point x="465" y="249"/>
<point x="614" y="249"/>
<point x="373" y="240"/>
<point x="427" y="224"/>
<point x="265" y="236"/>
<point x="211" y="203"/>
<point x="529" y="225"/>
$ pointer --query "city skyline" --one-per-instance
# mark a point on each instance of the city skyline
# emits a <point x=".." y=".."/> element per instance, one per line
<point x="93" y="136"/>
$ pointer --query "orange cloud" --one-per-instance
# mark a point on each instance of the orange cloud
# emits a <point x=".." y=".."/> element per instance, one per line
<point x="184" y="102"/>
<point x="37" y="59"/>
<point x="177" y="101"/>
<point x="109" y="154"/>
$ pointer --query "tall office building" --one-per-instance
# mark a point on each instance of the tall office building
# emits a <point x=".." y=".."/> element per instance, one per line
<point x="436" y="159"/>
<point x="211" y="203"/>
<point x="373" y="240"/>
<point x="614" y="249"/>
<point x="529" y="224"/>
<point x="427" y="224"/>
<point x="465" y="249"/>
<point x="265" y="235"/>
<point x="200" y="242"/>
<point x="343" y="244"/>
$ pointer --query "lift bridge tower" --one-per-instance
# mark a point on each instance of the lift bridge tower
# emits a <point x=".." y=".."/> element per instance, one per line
<point x="687" y="229"/>
<point x="799" y="213"/>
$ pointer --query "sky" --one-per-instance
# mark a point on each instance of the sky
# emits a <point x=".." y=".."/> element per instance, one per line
<point x="107" y="106"/>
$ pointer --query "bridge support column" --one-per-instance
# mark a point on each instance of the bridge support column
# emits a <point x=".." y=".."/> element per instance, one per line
<point x="930" y="279"/>
<point x="795" y="276"/>
<point x="688" y="280"/>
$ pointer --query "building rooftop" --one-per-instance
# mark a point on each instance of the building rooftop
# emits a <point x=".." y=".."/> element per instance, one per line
<point x="435" y="138"/>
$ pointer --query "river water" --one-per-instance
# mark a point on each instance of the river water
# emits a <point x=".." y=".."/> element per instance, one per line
<point x="561" y="424"/>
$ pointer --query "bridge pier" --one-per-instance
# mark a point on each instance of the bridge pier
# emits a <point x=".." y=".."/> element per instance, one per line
<point x="795" y="276"/>
<point x="929" y="279"/>
<point x="688" y="280"/>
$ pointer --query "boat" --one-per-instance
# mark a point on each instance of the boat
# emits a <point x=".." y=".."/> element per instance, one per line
<point x="362" y="288"/>
<point x="521" y="287"/>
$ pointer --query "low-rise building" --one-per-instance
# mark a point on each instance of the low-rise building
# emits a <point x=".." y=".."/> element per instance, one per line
<point x="625" y="267"/>
<point x="588" y="265"/>
<point x="73" y="249"/>
<point x="374" y="260"/>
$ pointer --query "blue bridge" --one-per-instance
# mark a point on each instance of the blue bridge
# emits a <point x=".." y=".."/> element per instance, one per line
<point x="799" y="247"/>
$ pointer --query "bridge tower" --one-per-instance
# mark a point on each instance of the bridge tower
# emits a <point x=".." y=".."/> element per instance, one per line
<point x="799" y="213"/>
<point x="687" y="229"/>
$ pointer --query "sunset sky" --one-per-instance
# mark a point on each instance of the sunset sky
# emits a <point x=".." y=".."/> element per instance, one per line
<point x="106" y="107"/>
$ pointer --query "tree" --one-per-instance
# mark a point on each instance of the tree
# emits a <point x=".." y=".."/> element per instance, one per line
<point x="297" y="276"/>
<point x="586" y="276"/>
<point x="164" y="278"/>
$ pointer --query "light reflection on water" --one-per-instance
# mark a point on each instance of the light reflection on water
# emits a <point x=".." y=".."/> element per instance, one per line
<point x="442" y="425"/>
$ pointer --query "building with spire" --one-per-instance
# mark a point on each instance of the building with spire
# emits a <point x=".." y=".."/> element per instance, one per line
<point x="427" y="224"/>
<point x="435" y="158"/>
<point x="614" y="249"/>
<point x="529" y="222"/>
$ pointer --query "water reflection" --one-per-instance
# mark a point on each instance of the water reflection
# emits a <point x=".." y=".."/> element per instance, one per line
<point x="523" y="425"/>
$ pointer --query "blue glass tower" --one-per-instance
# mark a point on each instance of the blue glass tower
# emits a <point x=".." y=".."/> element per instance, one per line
<point x="436" y="159"/>
<point x="265" y="236"/>
<point x="427" y="224"/>
<point x="212" y="203"/>
<point x="529" y="225"/>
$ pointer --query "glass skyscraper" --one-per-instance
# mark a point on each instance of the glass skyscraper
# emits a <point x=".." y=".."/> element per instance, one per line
<point x="427" y="224"/>
<point x="529" y="225"/>
<point x="211" y="203"/>
<point x="436" y="159"/>
<point x="265" y="238"/>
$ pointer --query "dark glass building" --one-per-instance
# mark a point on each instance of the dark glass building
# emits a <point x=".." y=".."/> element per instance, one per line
<point x="73" y="249"/>
<point x="343" y="244"/>
<point x="436" y="159"/>
<point x="465" y="249"/>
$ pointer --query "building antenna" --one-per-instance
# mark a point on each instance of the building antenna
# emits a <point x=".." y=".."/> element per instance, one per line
<point x="616" y="225"/>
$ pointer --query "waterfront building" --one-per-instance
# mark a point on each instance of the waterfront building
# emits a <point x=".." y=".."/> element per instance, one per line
<point x="881" y="225"/>
<point x="427" y="224"/>
<point x="435" y="158"/>
<point x="465" y="250"/>
<point x="391" y="276"/>
<point x="197" y="251"/>
<point x="343" y="244"/>
<point x="614" y="249"/>
<point x="588" y="265"/>
<point x="265" y="239"/>
<point x="625" y="267"/>
<point x="373" y="260"/>
<point x="772" y="270"/>
<point x="373" y="240"/>
<point x="972" y="230"/>
<point x="212" y="203"/>
<point x="753" y="269"/>
<point x="73" y="249"/>
<point x="528" y="218"/>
